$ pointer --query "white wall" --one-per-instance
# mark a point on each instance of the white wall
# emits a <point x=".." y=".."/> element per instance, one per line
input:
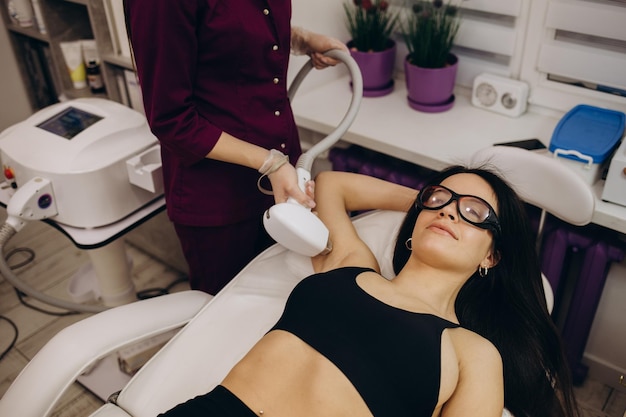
<point x="14" y="104"/>
<point x="322" y="16"/>
<point x="606" y="347"/>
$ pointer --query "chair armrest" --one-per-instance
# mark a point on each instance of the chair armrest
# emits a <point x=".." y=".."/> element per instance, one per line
<point x="71" y="351"/>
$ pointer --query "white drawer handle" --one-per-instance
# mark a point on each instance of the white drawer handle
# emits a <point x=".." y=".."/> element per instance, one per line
<point x="577" y="154"/>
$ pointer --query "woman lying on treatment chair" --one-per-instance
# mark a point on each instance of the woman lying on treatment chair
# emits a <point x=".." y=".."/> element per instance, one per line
<point x="462" y="330"/>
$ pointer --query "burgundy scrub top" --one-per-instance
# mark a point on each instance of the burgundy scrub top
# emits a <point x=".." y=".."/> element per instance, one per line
<point x="207" y="66"/>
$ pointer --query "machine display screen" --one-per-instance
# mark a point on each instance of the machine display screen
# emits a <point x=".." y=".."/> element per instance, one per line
<point x="69" y="123"/>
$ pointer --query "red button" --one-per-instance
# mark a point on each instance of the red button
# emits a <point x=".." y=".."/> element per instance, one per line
<point x="8" y="173"/>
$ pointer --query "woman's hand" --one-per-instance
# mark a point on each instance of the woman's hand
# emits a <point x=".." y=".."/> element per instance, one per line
<point x="318" y="44"/>
<point x="285" y="184"/>
<point x="314" y="45"/>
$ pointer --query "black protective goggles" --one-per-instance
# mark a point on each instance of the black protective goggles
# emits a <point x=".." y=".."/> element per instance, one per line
<point x="472" y="209"/>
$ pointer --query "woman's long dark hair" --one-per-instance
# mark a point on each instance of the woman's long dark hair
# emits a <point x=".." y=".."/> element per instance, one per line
<point x="508" y="308"/>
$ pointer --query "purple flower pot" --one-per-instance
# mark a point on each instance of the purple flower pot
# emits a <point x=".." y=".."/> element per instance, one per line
<point x="430" y="89"/>
<point x="376" y="69"/>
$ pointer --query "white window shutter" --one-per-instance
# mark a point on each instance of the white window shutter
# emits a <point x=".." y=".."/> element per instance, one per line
<point x="578" y="54"/>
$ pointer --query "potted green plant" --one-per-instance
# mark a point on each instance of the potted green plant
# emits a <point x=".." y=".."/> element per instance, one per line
<point x="371" y="25"/>
<point x="430" y="67"/>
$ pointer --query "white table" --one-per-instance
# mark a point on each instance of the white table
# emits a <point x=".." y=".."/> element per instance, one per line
<point x="433" y="140"/>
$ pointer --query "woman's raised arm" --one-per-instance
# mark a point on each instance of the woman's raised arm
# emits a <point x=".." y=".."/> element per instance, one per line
<point x="337" y="194"/>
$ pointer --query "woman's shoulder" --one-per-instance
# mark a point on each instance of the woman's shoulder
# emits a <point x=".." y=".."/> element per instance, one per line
<point x="478" y="377"/>
<point x="471" y="346"/>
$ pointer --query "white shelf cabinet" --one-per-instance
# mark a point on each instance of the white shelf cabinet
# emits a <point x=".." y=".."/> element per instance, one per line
<point x="39" y="54"/>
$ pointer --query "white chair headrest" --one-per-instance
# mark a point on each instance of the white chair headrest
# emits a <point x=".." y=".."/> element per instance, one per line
<point x="542" y="181"/>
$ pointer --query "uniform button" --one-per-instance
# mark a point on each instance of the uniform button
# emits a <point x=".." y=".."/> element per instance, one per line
<point x="266" y="12"/>
<point x="275" y="48"/>
<point x="277" y="113"/>
<point x="275" y="80"/>
<point x="283" y="146"/>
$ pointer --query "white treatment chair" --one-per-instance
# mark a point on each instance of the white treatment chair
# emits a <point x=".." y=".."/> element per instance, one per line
<point x="219" y="332"/>
<point x="546" y="183"/>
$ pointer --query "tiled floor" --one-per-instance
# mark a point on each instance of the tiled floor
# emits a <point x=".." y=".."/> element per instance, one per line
<point x="599" y="400"/>
<point x="56" y="259"/>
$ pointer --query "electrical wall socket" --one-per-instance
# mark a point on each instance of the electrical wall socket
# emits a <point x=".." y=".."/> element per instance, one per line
<point x="500" y="94"/>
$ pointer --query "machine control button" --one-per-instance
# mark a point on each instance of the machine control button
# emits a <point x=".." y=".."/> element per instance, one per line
<point x="10" y="176"/>
<point x="44" y="201"/>
<point x="8" y="173"/>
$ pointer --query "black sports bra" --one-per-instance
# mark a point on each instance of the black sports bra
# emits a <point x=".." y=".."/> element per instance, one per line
<point x="391" y="356"/>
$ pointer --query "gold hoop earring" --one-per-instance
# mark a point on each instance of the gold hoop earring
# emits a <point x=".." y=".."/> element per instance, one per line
<point x="483" y="271"/>
<point x="409" y="243"/>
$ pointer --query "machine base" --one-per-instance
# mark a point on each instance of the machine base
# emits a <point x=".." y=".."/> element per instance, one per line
<point x="106" y="277"/>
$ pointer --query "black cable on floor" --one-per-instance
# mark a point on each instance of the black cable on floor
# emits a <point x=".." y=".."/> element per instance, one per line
<point x="15" y="334"/>
<point x="20" y="295"/>
<point x="155" y="292"/>
<point x="29" y="259"/>
<point x="141" y="295"/>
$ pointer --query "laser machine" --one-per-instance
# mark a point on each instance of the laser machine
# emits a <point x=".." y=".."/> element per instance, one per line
<point x="85" y="166"/>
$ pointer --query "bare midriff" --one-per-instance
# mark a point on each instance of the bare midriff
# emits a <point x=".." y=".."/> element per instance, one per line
<point x="282" y="376"/>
